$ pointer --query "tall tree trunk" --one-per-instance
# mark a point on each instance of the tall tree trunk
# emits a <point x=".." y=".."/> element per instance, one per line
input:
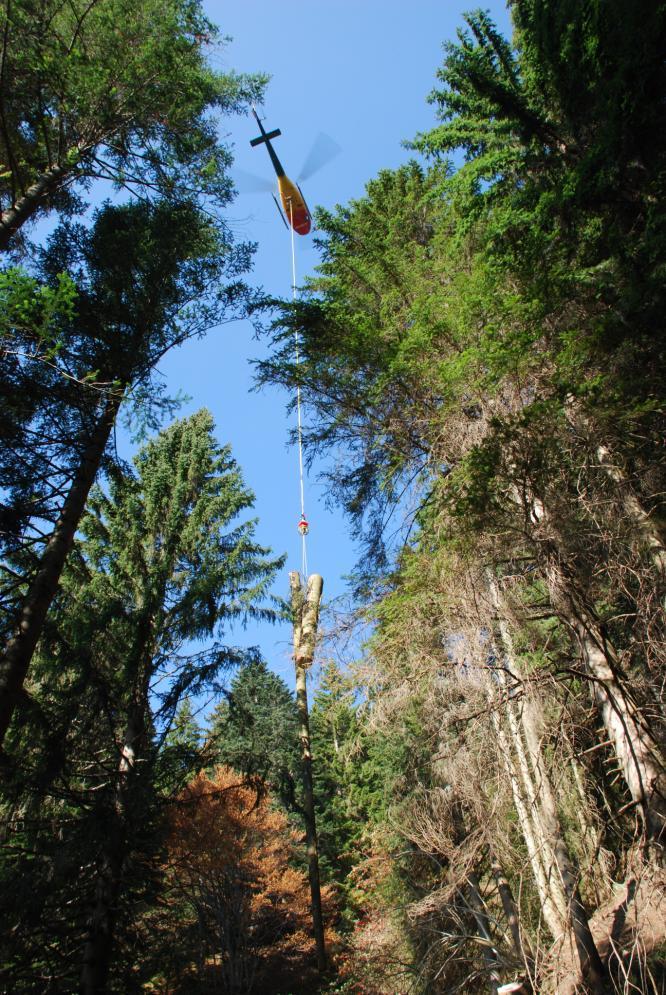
<point x="550" y="897"/>
<point x="634" y="511"/>
<point x="100" y="938"/>
<point x="21" y="646"/>
<point x="651" y="535"/>
<point x="639" y="756"/>
<point x="636" y="750"/>
<point x="591" y="965"/>
<point x="562" y="873"/>
<point x="305" y="613"/>
<point x="477" y="906"/>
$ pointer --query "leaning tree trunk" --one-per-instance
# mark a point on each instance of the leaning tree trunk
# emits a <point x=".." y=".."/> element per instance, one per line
<point x="305" y="613"/>
<point x="21" y="646"/>
<point x="29" y="203"/>
<point x="638" y="754"/>
<point x="541" y="858"/>
<point x="539" y="803"/>
<point x="645" y="527"/>
<point x="521" y="941"/>
<point x="474" y="901"/>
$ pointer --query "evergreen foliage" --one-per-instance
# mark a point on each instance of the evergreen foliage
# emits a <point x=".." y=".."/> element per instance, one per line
<point x="117" y="91"/>
<point x="161" y="566"/>
<point x="481" y="353"/>
<point x="147" y="278"/>
<point x="254" y="730"/>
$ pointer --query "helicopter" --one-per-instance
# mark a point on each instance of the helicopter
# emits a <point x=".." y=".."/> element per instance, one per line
<point x="294" y="212"/>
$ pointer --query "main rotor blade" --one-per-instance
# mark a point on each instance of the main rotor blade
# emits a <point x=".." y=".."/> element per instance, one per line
<point x="323" y="150"/>
<point x="249" y="182"/>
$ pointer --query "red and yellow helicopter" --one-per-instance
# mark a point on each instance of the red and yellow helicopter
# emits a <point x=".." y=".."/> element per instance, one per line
<point x="294" y="212"/>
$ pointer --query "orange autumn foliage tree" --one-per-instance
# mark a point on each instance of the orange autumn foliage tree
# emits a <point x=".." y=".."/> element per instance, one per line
<point x="236" y="893"/>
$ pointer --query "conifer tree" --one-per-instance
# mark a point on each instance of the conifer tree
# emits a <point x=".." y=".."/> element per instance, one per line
<point x="482" y="351"/>
<point x="147" y="278"/>
<point x="254" y="730"/>
<point x="118" y="90"/>
<point x="163" y="564"/>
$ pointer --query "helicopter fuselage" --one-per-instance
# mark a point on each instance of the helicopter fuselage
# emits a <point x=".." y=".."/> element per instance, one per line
<point x="296" y="211"/>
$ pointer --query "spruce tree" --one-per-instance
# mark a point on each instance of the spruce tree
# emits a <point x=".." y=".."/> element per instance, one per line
<point x="138" y="274"/>
<point x="164" y="566"/>
<point x="121" y="91"/>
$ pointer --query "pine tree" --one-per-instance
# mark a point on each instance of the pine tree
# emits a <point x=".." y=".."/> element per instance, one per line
<point x="482" y="351"/>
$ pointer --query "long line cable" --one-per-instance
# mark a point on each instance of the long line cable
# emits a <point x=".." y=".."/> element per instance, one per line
<point x="303" y="526"/>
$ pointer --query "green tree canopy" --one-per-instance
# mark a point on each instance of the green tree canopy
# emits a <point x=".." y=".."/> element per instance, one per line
<point x="111" y="89"/>
<point x="164" y="566"/>
<point x="147" y="277"/>
<point x="254" y="730"/>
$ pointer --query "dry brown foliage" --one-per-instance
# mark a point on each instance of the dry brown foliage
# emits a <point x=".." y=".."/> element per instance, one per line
<point x="236" y="892"/>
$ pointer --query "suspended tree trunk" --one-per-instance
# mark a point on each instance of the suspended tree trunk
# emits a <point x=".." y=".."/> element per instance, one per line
<point x="305" y="615"/>
<point x="21" y="646"/>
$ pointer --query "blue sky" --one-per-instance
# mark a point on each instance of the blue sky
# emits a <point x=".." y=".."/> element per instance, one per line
<point x="361" y="71"/>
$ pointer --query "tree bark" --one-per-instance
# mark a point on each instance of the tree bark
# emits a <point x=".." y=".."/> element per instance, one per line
<point x="21" y="646"/>
<point x="305" y="613"/>
<point x="634" y="511"/>
<point x="561" y="872"/>
<point x="638" y="754"/>
<point x="15" y="216"/>
<point x="648" y="530"/>
<point x="99" y="941"/>
<point x="521" y="942"/>
<point x="550" y="899"/>
<point x="636" y="750"/>
<point x="474" y="901"/>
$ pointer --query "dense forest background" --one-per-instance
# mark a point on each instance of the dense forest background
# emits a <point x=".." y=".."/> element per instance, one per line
<point x="481" y="365"/>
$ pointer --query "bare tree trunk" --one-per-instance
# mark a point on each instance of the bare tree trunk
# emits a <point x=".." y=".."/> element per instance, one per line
<point x="21" y="646"/>
<point x="561" y="872"/>
<point x="634" y="510"/>
<point x="521" y="941"/>
<point x="305" y="613"/>
<point x="474" y="900"/>
<point x="591" y="965"/>
<point x="551" y="905"/>
<point x="637" y="752"/>
<point x="99" y="940"/>
<point x="648" y="530"/>
<point x="15" y="216"/>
